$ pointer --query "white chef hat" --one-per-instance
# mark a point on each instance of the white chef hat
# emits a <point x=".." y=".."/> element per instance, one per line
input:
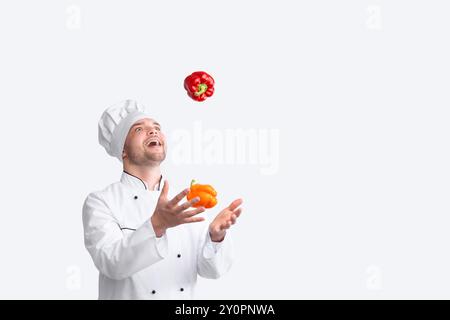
<point x="115" y="123"/>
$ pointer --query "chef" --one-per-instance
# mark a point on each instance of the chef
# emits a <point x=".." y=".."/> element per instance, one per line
<point x="145" y="243"/>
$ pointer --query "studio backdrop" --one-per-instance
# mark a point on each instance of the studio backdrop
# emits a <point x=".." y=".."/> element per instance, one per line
<point x="329" y="118"/>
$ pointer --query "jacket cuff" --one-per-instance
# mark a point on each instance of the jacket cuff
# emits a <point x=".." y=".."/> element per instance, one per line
<point x="211" y="248"/>
<point x="161" y="243"/>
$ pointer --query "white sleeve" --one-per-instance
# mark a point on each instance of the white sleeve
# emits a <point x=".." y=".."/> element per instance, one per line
<point x="214" y="258"/>
<point x="115" y="255"/>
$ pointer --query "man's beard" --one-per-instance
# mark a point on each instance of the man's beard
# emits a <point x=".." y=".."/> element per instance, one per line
<point x="146" y="158"/>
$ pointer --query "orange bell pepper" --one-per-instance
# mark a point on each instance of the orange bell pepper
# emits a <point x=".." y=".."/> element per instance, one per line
<point x="205" y="192"/>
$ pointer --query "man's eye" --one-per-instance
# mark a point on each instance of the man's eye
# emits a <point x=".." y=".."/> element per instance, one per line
<point x="159" y="129"/>
<point x="138" y="129"/>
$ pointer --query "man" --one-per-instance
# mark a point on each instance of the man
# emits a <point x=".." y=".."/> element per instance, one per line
<point x="145" y="244"/>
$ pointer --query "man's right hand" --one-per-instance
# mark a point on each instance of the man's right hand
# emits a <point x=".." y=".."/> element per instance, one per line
<point x="169" y="214"/>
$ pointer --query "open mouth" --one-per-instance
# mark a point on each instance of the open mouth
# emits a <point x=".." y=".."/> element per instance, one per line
<point x="153" y="143"/>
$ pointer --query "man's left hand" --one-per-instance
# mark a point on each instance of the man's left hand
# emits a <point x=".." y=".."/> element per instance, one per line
<point x="224" y="220"/>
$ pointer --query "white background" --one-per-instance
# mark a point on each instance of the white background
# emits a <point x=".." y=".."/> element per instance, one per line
<point x="358" y="91"/>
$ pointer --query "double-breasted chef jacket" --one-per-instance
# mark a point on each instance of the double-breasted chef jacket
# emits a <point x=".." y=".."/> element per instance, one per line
<point x="135" y="264"/>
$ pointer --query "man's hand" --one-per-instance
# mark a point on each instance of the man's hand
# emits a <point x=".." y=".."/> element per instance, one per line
<point x="169" y="214"/>
<point x="224" y="220"/>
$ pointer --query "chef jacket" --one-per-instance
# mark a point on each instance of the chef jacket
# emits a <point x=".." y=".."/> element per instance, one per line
<point x="135" y="264"/>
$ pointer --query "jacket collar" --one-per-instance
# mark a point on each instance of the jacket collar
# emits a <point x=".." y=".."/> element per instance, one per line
<point x="136" y="182"/>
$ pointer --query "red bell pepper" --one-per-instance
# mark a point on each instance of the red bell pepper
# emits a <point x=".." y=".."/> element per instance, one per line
<point x="199" y="85"/>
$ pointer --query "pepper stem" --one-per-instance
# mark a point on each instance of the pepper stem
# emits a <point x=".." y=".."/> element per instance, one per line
<point x="201" y="89"/>
<point x="193" y="182"/>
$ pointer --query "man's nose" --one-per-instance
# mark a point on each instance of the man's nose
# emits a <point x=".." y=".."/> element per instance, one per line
<point x="152" y="132"/>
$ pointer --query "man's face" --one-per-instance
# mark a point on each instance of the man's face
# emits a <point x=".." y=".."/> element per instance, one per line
<point x="145" y="143"/>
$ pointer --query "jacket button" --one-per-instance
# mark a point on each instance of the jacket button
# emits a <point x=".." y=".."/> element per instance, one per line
<point x="181" y="289"/>
<point x="135" y="197"/>
<point x="153" y="291"/>
<point x="179" y="255"/>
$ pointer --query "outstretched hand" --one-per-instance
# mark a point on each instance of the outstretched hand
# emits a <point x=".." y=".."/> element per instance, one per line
<point x="224" y="220"/>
